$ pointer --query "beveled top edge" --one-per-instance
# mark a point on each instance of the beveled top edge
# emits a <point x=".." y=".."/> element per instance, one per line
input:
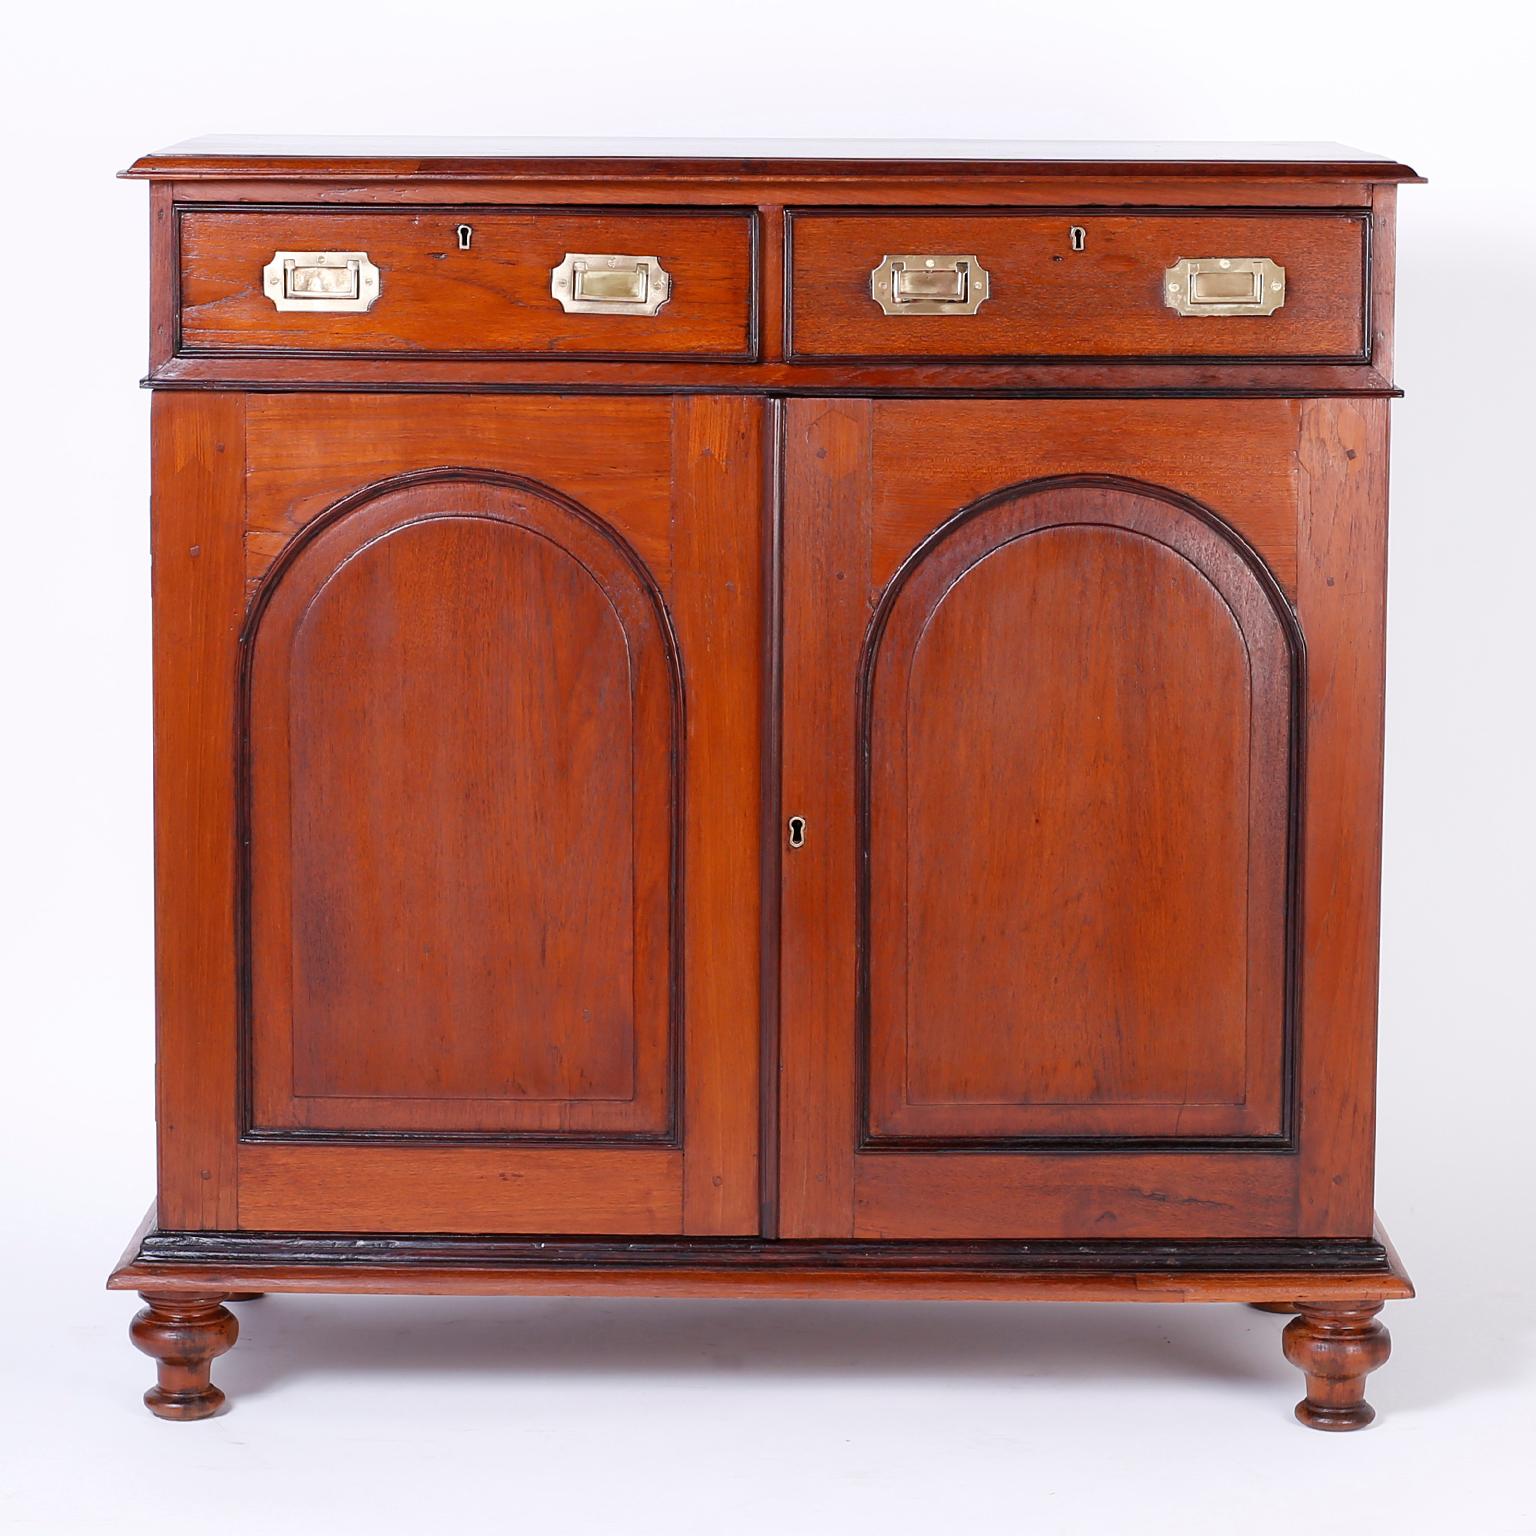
<point x="357" y="156"/>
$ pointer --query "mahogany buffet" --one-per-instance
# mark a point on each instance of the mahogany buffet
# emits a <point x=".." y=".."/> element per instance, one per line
<point x="768" y="720"/>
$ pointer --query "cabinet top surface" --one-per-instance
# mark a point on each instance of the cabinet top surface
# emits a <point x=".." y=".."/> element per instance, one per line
<point x="245" y="156"/>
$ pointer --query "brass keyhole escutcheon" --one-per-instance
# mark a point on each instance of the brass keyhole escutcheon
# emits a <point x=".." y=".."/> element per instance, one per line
<point x="797" y="831"/>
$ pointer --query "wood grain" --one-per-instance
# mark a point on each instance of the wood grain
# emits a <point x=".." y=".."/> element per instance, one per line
<point x="674" y="483"/>
<point x="1047" y="300"/>
<point x="183" y="1335"/>
<point x="718" y="607"/>
<point x="951" y="161"/>
<point x="328" y="1188"/>
<point x="961" y="1191"/>
<point x="1336" y="1347"/>
<point x="1162" y="1271"/>
<point x="1383" y="276"/>
<point x="495" y="645"/>
<point x="308" y="452"/>
<point x="163" y="284"/>
<point x="916" y="1195"/>
<point x="1341" y="600"/>
<point x="927" y="187"/>
<point x="1077" y="740"/>
<point x="1237" y="457"/>
<point x="827" y="605"/>
<point x="198" y="594"/>
<point x="986" y="381"/>
<point x="492" y="300"/>
<point x="464" y="735"/>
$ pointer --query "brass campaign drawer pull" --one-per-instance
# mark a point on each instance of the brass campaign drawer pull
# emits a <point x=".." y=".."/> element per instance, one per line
<point x="586" y="284"/>
<point x="930" y="285"/>
<point x="328" y="282"/>
<point x="1224" y="285"/>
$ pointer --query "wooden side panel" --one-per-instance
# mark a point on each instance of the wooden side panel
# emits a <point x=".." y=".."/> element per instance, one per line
<point x="1383" y="277"/>
<point x="198" y="585"/>
<point x="827" y="605"/>
<point x="1341" y="598"/>
<point x="162" y="275"/>
<point x="717" y="602"/>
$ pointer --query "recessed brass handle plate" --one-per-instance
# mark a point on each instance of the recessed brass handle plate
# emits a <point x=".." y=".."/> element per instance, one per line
<point x="586" y="284"/>
<point x="328" y="282"/>
<point x="930" y="285"/>
<point x="1224" y="285"/>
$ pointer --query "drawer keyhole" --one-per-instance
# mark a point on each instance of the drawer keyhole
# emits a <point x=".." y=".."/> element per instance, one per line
<point x="1079" y="237"/>
<point x="466" y="234"/>
<point x="797" y="831"/>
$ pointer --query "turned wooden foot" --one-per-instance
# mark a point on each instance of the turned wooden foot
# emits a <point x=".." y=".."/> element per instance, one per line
<point x="1258" y="1306"/>
<point x="1337" y="1345"/>
<point x="183" y="1335"/>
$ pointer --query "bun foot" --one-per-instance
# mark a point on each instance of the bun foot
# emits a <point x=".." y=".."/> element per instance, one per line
<point x="1336" y="1346"/>
<point x="184" y="1335"/>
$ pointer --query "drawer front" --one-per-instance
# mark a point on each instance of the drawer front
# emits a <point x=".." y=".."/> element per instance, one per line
<point x="1075" y="285"/>
<point x="468" y="282"/>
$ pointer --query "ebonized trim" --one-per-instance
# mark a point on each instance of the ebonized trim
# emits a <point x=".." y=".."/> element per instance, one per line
<point x="779" y="390"/>
<point x="361" y="1251"/>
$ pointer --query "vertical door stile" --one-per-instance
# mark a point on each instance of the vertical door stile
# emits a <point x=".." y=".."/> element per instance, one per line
<point x="826" y="611"/>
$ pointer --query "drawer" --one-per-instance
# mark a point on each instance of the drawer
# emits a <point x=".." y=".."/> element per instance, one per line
<point x="1077" y="285"/>
<point x="468" y="282"/>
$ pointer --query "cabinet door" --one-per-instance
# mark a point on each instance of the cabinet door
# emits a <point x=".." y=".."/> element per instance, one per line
<point x="1047" y="725"/>
<point x="498" y="757"/>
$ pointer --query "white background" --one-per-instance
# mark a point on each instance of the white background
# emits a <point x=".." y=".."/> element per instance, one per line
<point x="405" y="1415"/>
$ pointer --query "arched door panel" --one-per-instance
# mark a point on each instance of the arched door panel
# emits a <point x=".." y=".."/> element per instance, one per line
<point x="463" y="761"/>
<point x="1076" y="746"/>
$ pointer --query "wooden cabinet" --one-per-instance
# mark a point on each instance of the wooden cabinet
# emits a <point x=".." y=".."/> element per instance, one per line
<point x="745" y="790"/>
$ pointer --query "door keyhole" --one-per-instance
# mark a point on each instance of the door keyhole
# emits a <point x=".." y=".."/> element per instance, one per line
<point x="797" y="831"/>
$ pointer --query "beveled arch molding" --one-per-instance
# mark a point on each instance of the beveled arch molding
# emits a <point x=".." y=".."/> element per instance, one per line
<point x="646" y="586"/>
<point x="1295" y="644"/>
